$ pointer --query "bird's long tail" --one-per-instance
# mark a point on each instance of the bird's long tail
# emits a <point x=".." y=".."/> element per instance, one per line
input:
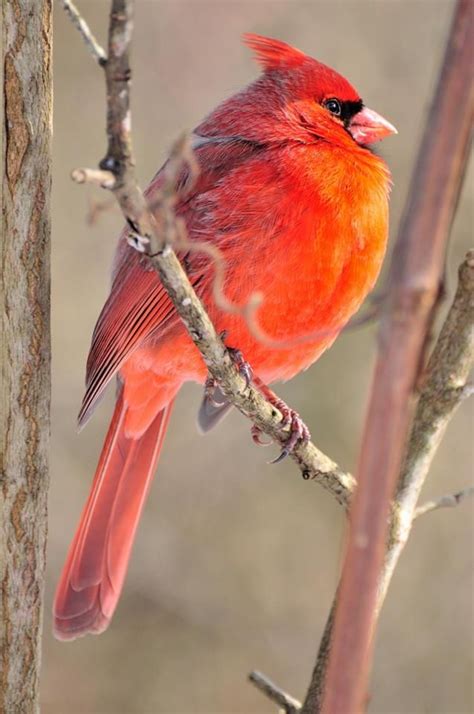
<point x="96" y="564"/>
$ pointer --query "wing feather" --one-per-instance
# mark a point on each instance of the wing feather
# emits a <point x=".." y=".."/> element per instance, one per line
<point x="138" y="306"/>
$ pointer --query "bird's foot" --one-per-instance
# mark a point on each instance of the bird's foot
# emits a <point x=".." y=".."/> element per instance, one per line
<point x="243" y="367"/>
<point x="256" y="434"/>
<point x="299" y="432"/>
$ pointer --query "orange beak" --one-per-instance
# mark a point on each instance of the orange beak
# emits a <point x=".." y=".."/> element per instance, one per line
<point x="367" y="127"/>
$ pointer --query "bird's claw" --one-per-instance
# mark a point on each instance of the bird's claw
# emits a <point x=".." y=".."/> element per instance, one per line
<point x="244" y="368"/>
<point x="257" y="436"/>
<point x="299" y="432"/>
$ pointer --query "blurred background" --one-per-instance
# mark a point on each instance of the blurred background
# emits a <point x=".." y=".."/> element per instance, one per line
<point x="236" y="561"/>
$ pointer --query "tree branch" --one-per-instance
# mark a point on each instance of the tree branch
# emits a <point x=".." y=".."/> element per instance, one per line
<point x="442" y="393"/>
<point x="415" y="278"/>
<point x="449" y="501"/>
<point x="447" y="374"/>
<point x="287" y="704"/>
<point x="78" y="21"/>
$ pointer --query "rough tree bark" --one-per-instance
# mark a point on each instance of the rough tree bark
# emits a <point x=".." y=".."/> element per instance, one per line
<point x="25" y="344"/>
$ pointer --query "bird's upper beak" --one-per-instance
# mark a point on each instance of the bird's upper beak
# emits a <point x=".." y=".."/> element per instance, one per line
<point x="367" y="127"/>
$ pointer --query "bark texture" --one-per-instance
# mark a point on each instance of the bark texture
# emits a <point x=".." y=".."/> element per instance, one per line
<point x="25" y="344"/>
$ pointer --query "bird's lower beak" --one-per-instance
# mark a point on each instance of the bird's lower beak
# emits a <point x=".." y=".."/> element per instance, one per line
<point x="367" y="127"/>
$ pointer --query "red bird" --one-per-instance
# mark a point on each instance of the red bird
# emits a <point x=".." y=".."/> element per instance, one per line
<point x="298" y="204"/>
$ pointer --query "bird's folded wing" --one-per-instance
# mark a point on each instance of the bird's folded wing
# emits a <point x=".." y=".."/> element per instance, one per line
<point x="138" y="306"/>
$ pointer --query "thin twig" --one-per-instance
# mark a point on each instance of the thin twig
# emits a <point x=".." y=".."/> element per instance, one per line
<point x="78" y="21"/>
<point x="104" y="179"/>
<point x="287" y="703"/>
<point x="96" y="208"/>
<point x="449" y="501"/>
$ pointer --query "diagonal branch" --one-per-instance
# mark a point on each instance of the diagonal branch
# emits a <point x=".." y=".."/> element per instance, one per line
<point x="286" y="703"/>
<point x="447" y="374"/>
<point x="442" y="393"/>
<point x="78" y="21"/>
<point x="415" y="279"/>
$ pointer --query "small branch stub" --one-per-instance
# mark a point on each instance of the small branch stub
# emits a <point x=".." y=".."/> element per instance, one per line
<point x="287" y="703"/>
<point x="449" y="501"/>
<point x="104" y="179"/>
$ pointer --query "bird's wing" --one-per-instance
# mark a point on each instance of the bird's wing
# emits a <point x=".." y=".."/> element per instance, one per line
<point x="138" y="305"/>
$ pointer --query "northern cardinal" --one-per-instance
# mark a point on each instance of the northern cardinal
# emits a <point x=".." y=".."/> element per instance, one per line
<point x="298" y="204"/>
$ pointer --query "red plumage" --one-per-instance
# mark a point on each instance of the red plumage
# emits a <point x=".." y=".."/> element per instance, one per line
<point x="298" y="205"/>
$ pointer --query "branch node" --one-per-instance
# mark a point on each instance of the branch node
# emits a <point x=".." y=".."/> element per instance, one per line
<point x="109" y="163"/>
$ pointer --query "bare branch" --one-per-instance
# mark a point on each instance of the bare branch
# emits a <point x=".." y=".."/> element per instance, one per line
<point x="287" y="703"/>
<point x="78" y="21"/>
<point x="447" y="374"/>
<point x="443" y="391"/>
<point x="416" y="275"/>
<point x="449" y="501"/>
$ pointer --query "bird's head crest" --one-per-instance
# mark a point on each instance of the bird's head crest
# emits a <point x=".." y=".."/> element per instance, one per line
<point x="273" y="54"/>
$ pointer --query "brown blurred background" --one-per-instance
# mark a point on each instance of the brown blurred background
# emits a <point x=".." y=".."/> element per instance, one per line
<point x="236" y="561"/>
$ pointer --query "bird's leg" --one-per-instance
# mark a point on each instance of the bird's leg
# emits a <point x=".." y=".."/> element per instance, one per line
<point x="298" y="429"/>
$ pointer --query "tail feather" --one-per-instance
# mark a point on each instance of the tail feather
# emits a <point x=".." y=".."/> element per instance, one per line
<point x="96" y="565"/>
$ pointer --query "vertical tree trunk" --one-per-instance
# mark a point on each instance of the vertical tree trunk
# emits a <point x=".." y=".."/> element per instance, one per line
<point x="25" y="344"/>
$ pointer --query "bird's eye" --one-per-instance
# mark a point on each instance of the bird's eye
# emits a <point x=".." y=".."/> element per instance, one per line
<point x="333" y="106"/>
